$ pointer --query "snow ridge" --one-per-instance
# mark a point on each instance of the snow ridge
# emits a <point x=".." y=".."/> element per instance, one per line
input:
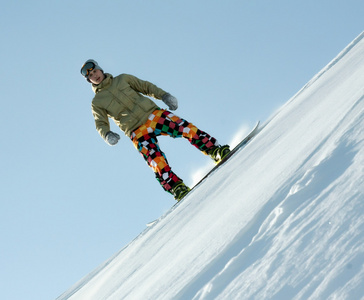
<point x="330" y="65"/>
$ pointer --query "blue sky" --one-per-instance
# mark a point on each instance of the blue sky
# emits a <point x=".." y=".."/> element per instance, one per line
<point x="68" y="200"/>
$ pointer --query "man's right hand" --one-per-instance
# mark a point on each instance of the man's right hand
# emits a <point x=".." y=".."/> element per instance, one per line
<point x="112" y="138"/>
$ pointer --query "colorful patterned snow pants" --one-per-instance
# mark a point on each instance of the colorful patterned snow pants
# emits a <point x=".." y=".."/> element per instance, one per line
<point x="163" y="122"/>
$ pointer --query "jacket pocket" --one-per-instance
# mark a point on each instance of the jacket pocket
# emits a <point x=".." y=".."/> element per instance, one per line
<point x="115" y="108"/>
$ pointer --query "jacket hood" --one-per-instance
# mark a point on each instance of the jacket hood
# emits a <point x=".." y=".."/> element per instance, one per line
<point x="104" y="84"/>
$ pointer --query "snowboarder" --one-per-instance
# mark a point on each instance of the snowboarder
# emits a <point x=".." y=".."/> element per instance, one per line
<point x="121" y="99"/>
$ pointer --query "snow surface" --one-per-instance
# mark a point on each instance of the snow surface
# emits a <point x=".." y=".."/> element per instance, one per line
<point x="282" y="219"/>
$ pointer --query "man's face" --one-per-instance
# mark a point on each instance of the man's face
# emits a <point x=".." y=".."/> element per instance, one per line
<point x="96" y="76"/>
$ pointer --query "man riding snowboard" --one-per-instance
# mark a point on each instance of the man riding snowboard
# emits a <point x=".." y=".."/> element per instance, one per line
<point x="121" y="99"/>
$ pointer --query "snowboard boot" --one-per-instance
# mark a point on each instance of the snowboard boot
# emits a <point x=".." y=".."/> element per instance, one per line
<point x="180" y="190"/>
<point x="218" y="153"/>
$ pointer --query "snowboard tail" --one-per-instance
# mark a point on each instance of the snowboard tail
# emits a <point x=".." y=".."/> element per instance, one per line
<point x="243" y="142"/>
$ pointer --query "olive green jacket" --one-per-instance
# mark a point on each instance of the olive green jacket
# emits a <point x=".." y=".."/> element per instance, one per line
<point x="120" y="98"/>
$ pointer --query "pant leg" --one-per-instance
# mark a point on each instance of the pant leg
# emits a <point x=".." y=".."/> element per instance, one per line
<point x="174" y="126"/>
<point x="148" y="147"/>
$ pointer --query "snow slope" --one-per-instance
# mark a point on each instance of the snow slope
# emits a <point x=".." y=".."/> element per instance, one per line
<point x="283" y="219"/>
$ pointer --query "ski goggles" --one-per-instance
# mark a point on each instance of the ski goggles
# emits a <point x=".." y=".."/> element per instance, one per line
<point x="87" y="68"/>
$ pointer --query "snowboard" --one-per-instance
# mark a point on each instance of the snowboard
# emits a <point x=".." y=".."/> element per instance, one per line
<point x="241" y="145"/>
<point x="243" y="142"/>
